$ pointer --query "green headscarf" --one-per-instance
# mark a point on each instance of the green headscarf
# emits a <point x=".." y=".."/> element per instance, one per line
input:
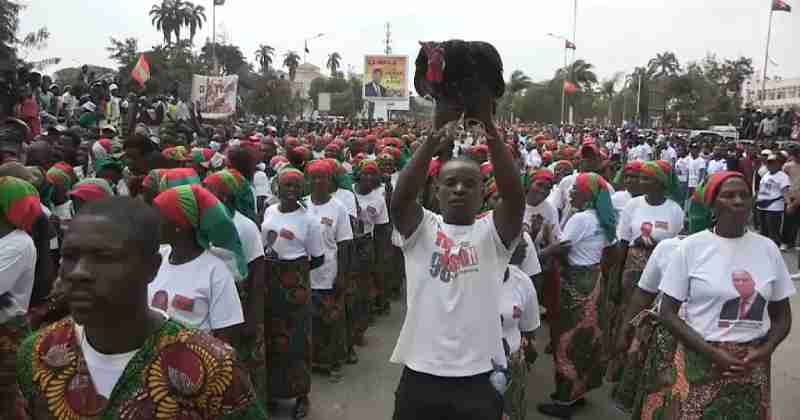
<point x="595" y="185"/>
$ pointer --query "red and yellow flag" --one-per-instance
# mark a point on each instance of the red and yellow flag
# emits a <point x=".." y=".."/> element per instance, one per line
<point x="781" y="6"/>
<point x="569" y="87"/>
<point x="141" y="72"/>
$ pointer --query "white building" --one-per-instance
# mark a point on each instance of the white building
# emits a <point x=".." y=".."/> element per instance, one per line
<point x="780" y="93"/>
<point x="306" y="72"/>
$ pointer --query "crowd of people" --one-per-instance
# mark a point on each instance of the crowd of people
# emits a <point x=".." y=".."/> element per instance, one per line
<point x="155" y="265"/>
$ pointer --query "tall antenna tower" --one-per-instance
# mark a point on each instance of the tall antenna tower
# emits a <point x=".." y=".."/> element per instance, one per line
<point x="388" y="41"/>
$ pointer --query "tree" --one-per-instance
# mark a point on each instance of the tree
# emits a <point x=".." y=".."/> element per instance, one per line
<point x="193" y="16"/>
<point x="165" y="18"/>
<point x="230" y="57"/>
<point x="664" y="65"/>
<point x="334" y="62"/>
<point x="124" y="52"/>
<point x="608" y="89"/>
<point x="9" y="22"/>
<point x="291" y="61"/>
<point x="519" y="81"/>
<point x="264" y="55"/>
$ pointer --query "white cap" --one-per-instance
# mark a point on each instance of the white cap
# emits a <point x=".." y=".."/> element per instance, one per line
<point x="113" y="87"/>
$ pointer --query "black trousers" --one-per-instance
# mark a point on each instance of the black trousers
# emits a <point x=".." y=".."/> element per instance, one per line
<point x="771" y="225"/>
<point x="421" y="396"/>
<point x="791" y="224"/>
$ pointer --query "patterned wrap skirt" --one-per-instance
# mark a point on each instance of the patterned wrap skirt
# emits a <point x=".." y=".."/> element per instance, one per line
<point x="363" y="260"/>
<point x="658" y="375"/>
<point x="382" y="274"/>
<point x="703" y="393"/>
<point x="514" y="405"/>
<point x="624" y="392"/>
<point x="12" y="332"/>
<point x="579" y="358"/>
<point x="619" y="299"/>
<point x="288" y="332"/>
<point x="329" y="328"/>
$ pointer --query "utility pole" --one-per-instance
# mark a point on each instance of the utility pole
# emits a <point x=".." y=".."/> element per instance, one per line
<point x="388" y="42"/>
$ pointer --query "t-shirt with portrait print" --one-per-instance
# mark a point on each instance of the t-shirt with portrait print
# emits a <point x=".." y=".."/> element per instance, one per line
<point x="373" y="209"/>
<point x="334" y="226"/>
<point x="200" y="293"/>
<point x="726" y="284"/>
<point x="640" y="219"/>
<point x="289" y="236"/>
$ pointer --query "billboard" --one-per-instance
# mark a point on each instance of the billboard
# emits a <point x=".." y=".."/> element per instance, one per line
<point x="386" y="78"/>
<point x="216" y="95"/>
<point x="324" y="102"/>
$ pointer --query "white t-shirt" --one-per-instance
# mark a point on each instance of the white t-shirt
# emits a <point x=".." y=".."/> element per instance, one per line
<point x="657" y="264"/>
<point x="200" y="293"/>
<point x="454" y="284"/>
<point x="701" y="274"/>
<point x="519" y="307"/>
<point x="17" y="272"/>
<point x="334" y="227"/>
<point x="249" y="235"/>
<point x="530" y="264"/>
<point x="533" y="159"/>
<point x="373" y="209"/>
<point x="565" y="189"/>
<point x="619" y="200"/>
<point x="105" y="369"/>
<point x="587" y="237"/>
<point x="697" y="171"/>
<point x="773" y="186"/>
<point x="639" y="218"/>
<point x="348" y="200"/>
<point x="549" y="216"/>
<point x="682" y="168"/>
<point x="261" y="184"/>
<point x="289" y="236"/>
<point x="717" y="165"/>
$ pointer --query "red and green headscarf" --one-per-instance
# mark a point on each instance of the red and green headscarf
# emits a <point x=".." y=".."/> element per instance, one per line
<point x="171" y="178"/>
<point x="662" y="171"/>
<point x="92" y="189"/>
<point x="533" y="175"/>
<point x="202" y="156"/>
<point x="632" y="167"/>
<point x="700" y="217"/>
<point x="194" y="207"/>
<point x="63" y="175"/>
<point x="19" y="203"/>
<point x="229" y="183"/>
<point x="177" y="153"/>
<point x="600" y="200"/>
<point x="366" y="166"/>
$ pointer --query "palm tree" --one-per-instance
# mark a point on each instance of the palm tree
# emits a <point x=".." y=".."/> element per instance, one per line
<point x="193" y="16"/>
<point x="608" y="89"/>
<point x="165" y="19"/>
<point x="264" y="55"/>
<point x="291" y="60"/>
<point x="334" y="62"/>
<point x="582" y="74"/>
<point x="665" y="64"/>
<point x="9" y="21"/>
<point x="519" y="81"/>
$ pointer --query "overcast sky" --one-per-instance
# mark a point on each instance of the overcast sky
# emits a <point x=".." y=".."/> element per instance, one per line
<point x="613" y="35"/>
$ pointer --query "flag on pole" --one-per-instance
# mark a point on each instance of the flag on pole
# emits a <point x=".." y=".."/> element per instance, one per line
<point x="569" y="45"/>
<point x="781" y="6"/>
<point x="569" y="87"/>
<point x="306" y="47"/>
<point x="219" y="2"/>
<point x="141" y="72"/>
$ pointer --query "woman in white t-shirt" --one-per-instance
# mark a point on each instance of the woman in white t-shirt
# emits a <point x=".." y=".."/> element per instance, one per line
<point x="578" y="350"/>
<point x="329" y="282"/>
<point x="519" y="317"/>
<point x="388" y="160"/>
<point x="293" y="247"/>
<point x="645" y="221"/>
<point x="735" y="291"/>
<point x="20" y="209"/>
<point x="373" y="212"/>
<point x="627" y="181"/>
<point x="194" y="285"/>
<point x="771" y="200"/>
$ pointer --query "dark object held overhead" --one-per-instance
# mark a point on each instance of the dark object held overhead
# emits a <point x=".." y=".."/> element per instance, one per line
<point x="464" y="77"/>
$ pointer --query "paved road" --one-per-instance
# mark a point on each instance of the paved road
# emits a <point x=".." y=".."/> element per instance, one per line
<point x="367" y="390"/>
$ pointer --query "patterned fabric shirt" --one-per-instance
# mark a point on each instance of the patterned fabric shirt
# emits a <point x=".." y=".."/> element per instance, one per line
<point x="178" y="373"/>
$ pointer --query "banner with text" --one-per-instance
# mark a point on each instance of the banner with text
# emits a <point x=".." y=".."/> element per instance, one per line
<point x="215" y="94"/>
<point x="386" y="79"/>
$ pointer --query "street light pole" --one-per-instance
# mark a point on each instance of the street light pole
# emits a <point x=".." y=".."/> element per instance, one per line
<point x="305" y="44"/>
<point x="214" y="35"/>
<point x="563" y="84"/>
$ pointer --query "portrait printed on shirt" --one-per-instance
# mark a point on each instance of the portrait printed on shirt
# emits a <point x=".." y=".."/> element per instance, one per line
<point x="747" y="310"/>
<point x="269" y="252"/>
<point x="452" y="259"/>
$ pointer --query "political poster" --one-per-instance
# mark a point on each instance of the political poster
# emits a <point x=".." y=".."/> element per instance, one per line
<point x="386" y="79"/>
<point x="216" y="95"/>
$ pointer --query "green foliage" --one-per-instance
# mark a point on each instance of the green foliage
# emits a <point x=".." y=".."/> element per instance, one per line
<point x="334" y="63"/>
<point x="229" y="57"/>
<point x="291" y="60"/>
<point x="346" y="97"/>
<point x="9" y="22"/>
<point x="171" y="16"/>
<point x="264" y="55"/>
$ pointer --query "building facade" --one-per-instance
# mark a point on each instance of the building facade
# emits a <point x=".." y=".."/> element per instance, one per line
<point x="780" y="93"/>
